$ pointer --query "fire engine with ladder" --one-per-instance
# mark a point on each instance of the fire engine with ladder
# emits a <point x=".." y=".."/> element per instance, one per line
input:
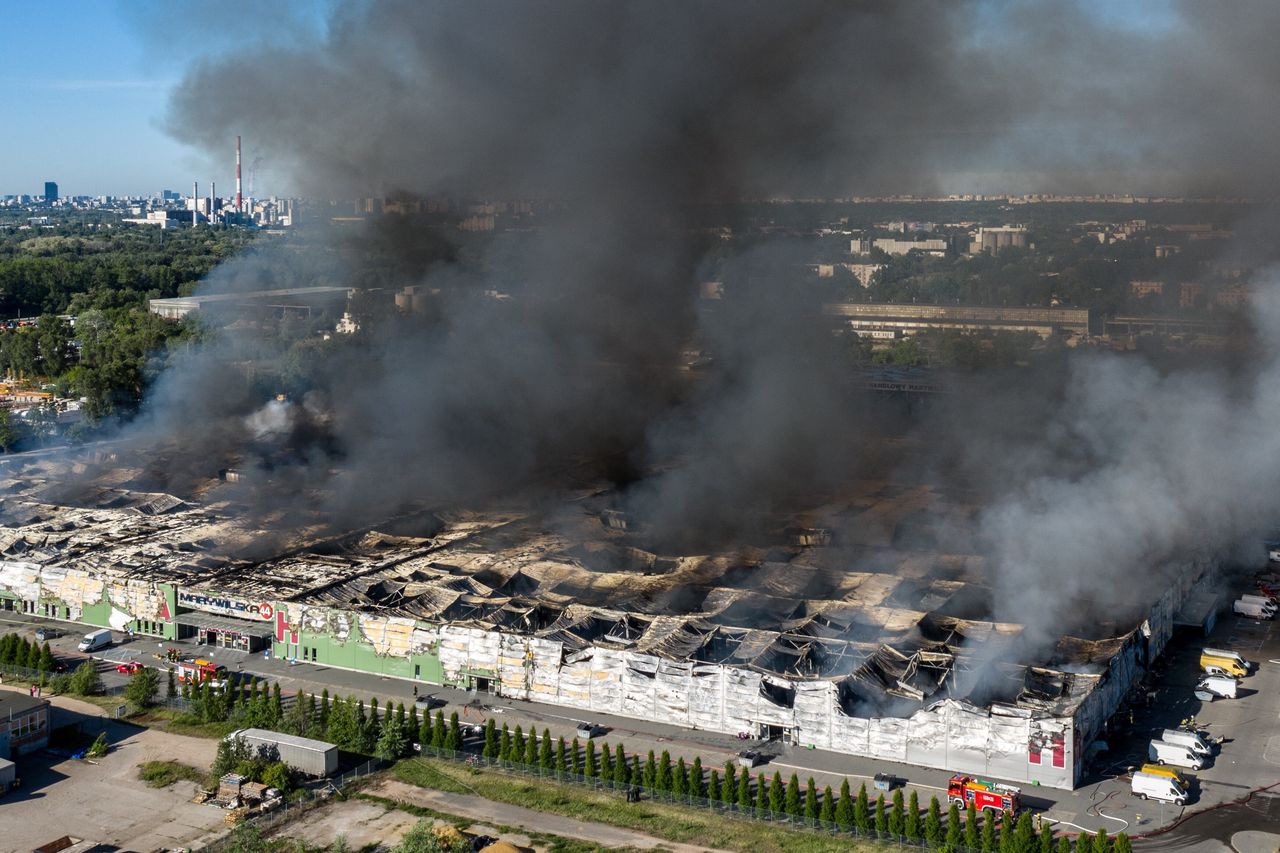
<point x="200" y="671"/>
<point x="986" y="796"/>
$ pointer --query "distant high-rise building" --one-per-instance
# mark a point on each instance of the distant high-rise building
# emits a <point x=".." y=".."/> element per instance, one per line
<point x="50" y="191"/>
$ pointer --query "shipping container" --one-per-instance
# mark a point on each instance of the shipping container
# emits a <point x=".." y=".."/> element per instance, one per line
<point x="313" y="757"/>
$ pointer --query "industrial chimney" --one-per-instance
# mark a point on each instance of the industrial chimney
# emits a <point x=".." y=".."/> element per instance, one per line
<point x="213" y="195"/>
<point x="239" y="207"/>
<point x="195" y="203"/>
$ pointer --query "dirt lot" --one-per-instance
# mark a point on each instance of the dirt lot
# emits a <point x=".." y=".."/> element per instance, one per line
<point x="361" y="821"/>
<point x="105" y="801"/>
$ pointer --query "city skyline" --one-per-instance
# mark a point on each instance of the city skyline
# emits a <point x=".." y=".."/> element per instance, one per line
<point x="87" y="87"/>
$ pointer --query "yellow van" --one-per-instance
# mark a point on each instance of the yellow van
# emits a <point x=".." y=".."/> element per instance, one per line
<point x="1230" y="666"/>
<point x="1161" y="770"/>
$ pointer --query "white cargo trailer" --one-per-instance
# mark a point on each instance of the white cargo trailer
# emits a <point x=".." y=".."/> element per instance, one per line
<point x="313" y="757"/>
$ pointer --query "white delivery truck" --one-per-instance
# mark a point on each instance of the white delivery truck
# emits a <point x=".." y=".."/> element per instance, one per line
<point x="1222" y="686"/>
<point x="95" y="640"/>
<point x="1151" y="786"/>
<point x="1173" y="753"/>
<point x="1190" y="740"/>
<point x="1264" y="600"/>
<point x="1224" y="653"/>
<point x="1253" y="611"/>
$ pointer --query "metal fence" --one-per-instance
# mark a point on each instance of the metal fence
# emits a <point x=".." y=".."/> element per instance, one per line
<point x="731" y="808"/>
<point x="266" y="821"/>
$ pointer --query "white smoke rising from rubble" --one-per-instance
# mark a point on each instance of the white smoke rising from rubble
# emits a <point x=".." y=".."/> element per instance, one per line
<point x="1138" y="475"/>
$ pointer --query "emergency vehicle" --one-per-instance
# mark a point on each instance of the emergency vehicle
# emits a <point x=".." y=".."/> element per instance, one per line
<point x="986" y="796"/>
<point x="200" y="671"/>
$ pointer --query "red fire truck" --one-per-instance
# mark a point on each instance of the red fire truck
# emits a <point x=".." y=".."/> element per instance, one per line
<point x="200" y="671"/>
<point x="986" y="796"/>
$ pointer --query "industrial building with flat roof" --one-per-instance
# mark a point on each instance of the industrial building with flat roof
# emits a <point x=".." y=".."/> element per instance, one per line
<point x="857" y="637"/>
<point x="910" y="319"/>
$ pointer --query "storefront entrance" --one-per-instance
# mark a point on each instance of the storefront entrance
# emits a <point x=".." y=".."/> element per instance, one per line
<point x="222" y="632"/>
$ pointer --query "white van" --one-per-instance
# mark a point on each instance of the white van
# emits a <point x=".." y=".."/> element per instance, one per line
<point x="1173" y="753"/>
<point x="1264" y="600"/>
<point x="1149" y="785"/>
<point x="1219" y="686"/>
<point x="1224" y="653"/>
<point x="1190" y="740"/>
<point x="1253" y="611"/>
<point x="95" y="640"/>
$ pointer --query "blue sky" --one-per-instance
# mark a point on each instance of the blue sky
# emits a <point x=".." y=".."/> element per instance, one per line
<point x="84" y="87"/>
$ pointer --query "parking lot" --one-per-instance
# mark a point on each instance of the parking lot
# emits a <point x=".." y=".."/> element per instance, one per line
<point x="104" y="800"/>
<point x="1248" y="761"/>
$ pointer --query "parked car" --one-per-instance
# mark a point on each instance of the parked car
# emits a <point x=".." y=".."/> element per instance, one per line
<point x="43" y="634"/>
<point x="129" y="667"/>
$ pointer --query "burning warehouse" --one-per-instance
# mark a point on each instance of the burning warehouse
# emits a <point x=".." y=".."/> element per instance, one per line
<point x="844" y="638"/>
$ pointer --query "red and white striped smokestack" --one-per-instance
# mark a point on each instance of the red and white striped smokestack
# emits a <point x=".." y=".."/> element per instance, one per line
<point x="239" y="204"/>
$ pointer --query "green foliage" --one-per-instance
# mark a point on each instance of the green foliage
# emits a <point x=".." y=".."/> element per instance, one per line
<point x="277" y="775"/>
<point x="953" y="836"/>
<point x="504" y="744"/>
<point x="714" y="786"/>
<point x="680" y="779"/>
<point x="620" y="774"/>
<point x="247" y="838"/>
<point x="744" y="789"/>
<point x="897" y="815"/>
<point x="989" y="834"/>
<point x="546" y="753"/>
<point x="343" y="728"/>
<point x="161" y="774"/>
<point x="827" y="813"/>
<point x="46" y="659"/>
<point x="762" y="795"/>
<point x="810" y="801"/>
<point x="423" y="838"/>
<point x="392" y="740"/>
<point x="971" y="825"/>
<point x="1046" y="837"/>
<point x="861" y="808"/>
<point x="1122" y="844"/>
<point x="844" y="815"/>
<point x="777" y="793"/>
<point x="791" y="801"/>
<point x="697" y="788"/>
<point x="453" y="740"/>
<point x="729" y="786"/>
<point x="932" y="822"/>
<point x="1064" y="844"/>
<point x="590" y="768"/>
<point x="663" y="780"/>
<point x="1023" y="838"/>
<point x="1101" y="844"/>
<point x="517" y="746"/>
<point x="143" y="687"/>
<point x="85" y="681"/>
<point x="881" y="816"/>
<point x="490" y="749"/>
<point x="99" y="747"/>
<point x="439" y="731"/>
<point x="531" y="753"/>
